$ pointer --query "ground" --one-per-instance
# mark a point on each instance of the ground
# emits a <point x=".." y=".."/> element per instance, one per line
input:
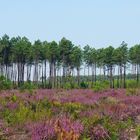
<point x="69" y="114"/>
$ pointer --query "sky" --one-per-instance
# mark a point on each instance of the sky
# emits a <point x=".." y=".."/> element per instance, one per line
<point x="99" y="23"/>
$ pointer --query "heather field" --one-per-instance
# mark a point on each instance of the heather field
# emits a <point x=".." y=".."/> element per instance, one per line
<point x="69" y="115"/>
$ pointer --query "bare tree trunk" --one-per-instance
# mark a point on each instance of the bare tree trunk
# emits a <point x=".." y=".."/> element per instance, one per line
<point x="111" y="76"/>
<point x="92" y="74"/>
<point x="104" y="73"/>
<point x="54" y="74"/>
<point x="95" y="74"/>
<point x="137" y="74"/>
<point x="42" y="76"/>
<point x="45" y="75"/>
<point x="78" y="75"/>
<point x="120" y="76"/>
<point x="124" y="77"/>
<point x="88" y="74"/>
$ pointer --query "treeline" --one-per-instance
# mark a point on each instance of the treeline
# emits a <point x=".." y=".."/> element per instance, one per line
<point x="21" y="60"/>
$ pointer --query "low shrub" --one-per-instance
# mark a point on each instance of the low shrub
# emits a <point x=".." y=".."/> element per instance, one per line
<point x="132" y="84"/>
<point x="99" y="133"/>
<point x="138" y="131"/>
<point x="73" y="109"/>
<point x="5" y="83"/>
<point x="132" y="92"/>
<point x="67" y="86"/>
<point x="83" y="85"/>
<point x="28" y="86"/>
<point x="101" y="86"/>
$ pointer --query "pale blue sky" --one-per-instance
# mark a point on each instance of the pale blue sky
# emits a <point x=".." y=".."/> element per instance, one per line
<point x="99" y="23"/>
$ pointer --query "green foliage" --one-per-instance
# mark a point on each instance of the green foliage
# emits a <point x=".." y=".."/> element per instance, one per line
<point x="24" y="113"/>
<point x="138" y="131"/>
<point x="28" y="86"/>
<point x="134" y="54"/>
<point x="83" y="85"/>
<point x="115" y="127"/>
<point x="14" y="98"/>
<point x="132" y="92"/>
<point x="17" y="116"/>
<point x="5" y="83"/>
<point x="74" y="85"/>
<point x="101" y="86"/>
<point x="93" y="120"/>
<point x="70" y="85"/>
<point x="72" y="107"/>
<point x="67" y="85"/>
<point x="132" y="84"/>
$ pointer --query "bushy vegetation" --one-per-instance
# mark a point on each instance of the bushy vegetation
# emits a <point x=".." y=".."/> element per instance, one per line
<point x="101" y="86"/>
<point x="23" y="61"/>
<point x="75" y="107"/>
<point x="71" y="114"/>
<point x="4" y="83"/>
<point x="28" y="86"/>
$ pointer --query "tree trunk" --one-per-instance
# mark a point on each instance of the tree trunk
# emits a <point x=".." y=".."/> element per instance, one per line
<point x="95" y="74"/>
<point x="92" y="74"/>
<point x="120" y="76"/>
<point x="54" y="68"/>
<point x="111" y="86"/>
<point x="104" y="73"/>
<point x="78" y="75"/>
<point x="45" y="75"/>
<point x="137" y="74"/>
<point x="124" y="76"/>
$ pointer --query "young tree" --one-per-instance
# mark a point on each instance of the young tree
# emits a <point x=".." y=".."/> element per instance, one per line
<point x="37" y="47"/>
<point x="76" y="60"/>
<point x="134" y="56"/>
<point x="65" y="47"/>
<point x="5" y="50"/>
<point x="87" y="57"/>
<point x="109" y="62"/>
<point x="101" y="60"/>
<point x="53" y="55"/>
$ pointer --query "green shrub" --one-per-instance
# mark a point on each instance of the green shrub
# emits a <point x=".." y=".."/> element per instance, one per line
<point x="101" y="86"/>
<point x="132" y="84"/>
<point x="14" y="98"/>
<point x="90" y="121"/>
<point x="72" y="107"/>
<point x="83" y="85"/>
<point x="22" y="114"/>
<point x="28" y="86"/>
<point x="116" y="127"/>
<point x="67" y="86"/>
<point x="5" y="83"/>
<point x="16" y="116"/>
<point x="138" y="131"/>
<point x="74" y="85"/>
<point x="132" y="92"/>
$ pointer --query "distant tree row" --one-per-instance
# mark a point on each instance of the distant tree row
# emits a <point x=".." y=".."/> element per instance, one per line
<point x="21" y="61"/>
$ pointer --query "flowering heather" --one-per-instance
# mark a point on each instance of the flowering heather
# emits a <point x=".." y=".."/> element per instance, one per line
<point x="12" y="106"/>
<point x="88" y="113"/>
<point x="42" y="130"/>
<point x="68" y="125"/>
<point x="67" y="129"/>
<point x="52" y="129"/>
<point x="1" y="107"/>
<point x="68" y="114"/>
<point x="99" y="133"/>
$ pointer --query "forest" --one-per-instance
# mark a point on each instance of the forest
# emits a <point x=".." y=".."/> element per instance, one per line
<point x="61" y="91"/>
<point x="59" y="65"/>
